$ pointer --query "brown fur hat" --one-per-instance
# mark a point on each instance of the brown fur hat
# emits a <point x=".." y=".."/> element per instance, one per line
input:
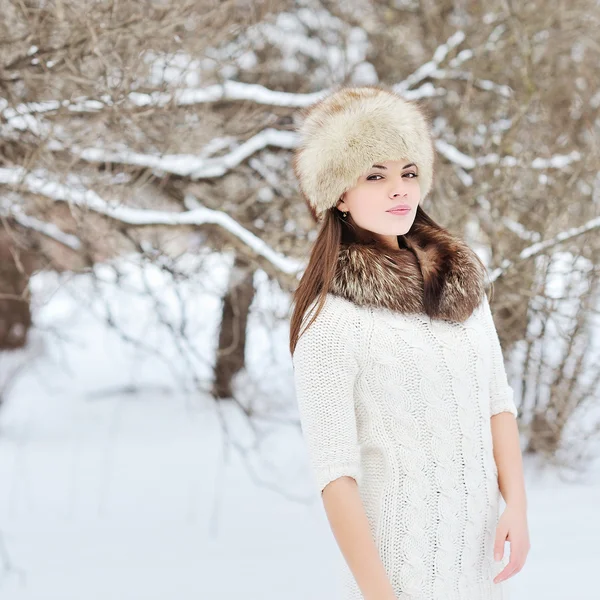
<point x="345" y="133"/>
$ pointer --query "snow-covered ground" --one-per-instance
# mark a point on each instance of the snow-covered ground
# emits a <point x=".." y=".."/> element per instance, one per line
<point x="106" y="493"/>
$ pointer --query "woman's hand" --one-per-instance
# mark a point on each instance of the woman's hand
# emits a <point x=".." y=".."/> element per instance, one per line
<point x="512" y="526"/>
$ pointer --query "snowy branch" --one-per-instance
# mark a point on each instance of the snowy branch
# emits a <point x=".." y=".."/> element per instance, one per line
<point x="540" y="247"/>
<point x="518" y="229"/>
<point x="21" y="117"/>
<point x="50" y="230"/>
<point x="77" y="195"/>
<point x="426" y="70"/>
<point x="229" y="90"/>
<point x="483" y="84"/>
<point x="195" y="167"/>
<point x="558" y="161"/>
<point x="189" y="165"/>
<point x="454" y="155"/>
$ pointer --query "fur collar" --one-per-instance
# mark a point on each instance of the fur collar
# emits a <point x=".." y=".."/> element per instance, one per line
<point x="434" y="264"/>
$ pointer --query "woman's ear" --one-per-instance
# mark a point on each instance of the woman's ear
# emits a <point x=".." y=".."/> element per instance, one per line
<point x="340" y="205"/>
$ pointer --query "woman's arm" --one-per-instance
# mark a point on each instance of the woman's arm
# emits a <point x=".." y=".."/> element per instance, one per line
<point x="350" y="528"/>
<point x="509" y="460"/>
<point x="512" y="525"/>
<point x="325" y="371"/>
<point x="505" y="431"/>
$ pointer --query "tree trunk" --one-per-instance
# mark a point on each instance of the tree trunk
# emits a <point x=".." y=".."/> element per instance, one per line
<point x="545" y="436"/>
<point x="16" y="266"/>
<point x="232" y="337"/>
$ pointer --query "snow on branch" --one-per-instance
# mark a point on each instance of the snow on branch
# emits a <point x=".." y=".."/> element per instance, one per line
<point x="189" y="165"/>
<point x="228" y="90"/>
<point x="237" y="90"/>
<point x="520" y="230"/>
<point x="558" y="161"/>
<point x="22" y="118"/>
<point x="427" y="90"/>
<point x="540" y="247"/>
<point x="431" y="66"/>
<point x="75" y="193"/>
<point x="483" y="84"/>
<point x="50" y="230"/>
<point x="454" y="155"/>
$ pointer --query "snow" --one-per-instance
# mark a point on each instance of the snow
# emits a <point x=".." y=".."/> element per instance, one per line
<point x="74" y="192"/>
<point x="117" y="481"/>
<point x="559" y="161"/>
<point x="539" y="247"/>
<point x="48" y="229"/>
<point x="454" y="155"/>
<point x="228" y="90"/>
<point x="426" y="69"/>
<point x="196" y="167"/>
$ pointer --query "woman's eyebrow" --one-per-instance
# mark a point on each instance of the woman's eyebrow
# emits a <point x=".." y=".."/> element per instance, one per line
<point x="385" y="168"/>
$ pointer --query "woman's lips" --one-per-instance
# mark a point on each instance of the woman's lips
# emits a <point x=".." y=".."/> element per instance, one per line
<point x="399" y="211"/>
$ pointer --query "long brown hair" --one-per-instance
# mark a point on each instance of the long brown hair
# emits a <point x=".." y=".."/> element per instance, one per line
<point x="334" y="231"/>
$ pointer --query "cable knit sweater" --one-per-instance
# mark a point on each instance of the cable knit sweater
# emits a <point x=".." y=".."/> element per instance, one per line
<point x="402" y="403"/>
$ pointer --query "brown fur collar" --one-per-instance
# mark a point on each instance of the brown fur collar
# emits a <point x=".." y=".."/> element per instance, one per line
<point x="435" y="265"/>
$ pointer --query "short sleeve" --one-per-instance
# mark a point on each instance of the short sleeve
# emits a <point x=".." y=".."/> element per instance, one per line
<point x="501" y="393"/>
<point x="325" y="371"/>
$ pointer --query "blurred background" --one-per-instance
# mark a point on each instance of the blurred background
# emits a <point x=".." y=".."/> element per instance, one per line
<point x="151" y="234"/>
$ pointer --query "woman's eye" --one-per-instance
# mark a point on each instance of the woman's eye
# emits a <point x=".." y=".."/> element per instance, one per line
<point x="377" y="175"/>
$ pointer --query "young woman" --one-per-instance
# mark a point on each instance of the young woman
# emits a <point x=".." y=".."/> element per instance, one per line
<point x="405" y="407"/>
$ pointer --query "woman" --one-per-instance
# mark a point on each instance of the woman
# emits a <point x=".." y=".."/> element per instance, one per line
<point x="405" y="407"/>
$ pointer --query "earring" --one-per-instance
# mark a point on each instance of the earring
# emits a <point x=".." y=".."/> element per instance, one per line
<point x="344" y="214"/>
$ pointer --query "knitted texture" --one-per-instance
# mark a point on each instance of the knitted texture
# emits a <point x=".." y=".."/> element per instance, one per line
<point x="402" y="404"/>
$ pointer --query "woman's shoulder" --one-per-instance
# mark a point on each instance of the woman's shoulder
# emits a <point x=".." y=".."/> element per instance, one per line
<point x="337" y="317"/>
<point x="334" y="309"/>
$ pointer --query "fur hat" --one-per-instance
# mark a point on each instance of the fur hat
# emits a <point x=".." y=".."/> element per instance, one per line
<point x="345" y="133"/>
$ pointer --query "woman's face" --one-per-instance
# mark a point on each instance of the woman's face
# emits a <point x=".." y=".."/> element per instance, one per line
<point x="384" y="186"/>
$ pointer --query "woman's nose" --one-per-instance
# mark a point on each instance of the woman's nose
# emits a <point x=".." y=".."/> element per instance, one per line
<point x="398" y="187"/>
<point x="398" y="190"/>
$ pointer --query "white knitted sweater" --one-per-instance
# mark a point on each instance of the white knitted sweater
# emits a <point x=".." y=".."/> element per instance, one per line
<point x="402" y="403"/>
